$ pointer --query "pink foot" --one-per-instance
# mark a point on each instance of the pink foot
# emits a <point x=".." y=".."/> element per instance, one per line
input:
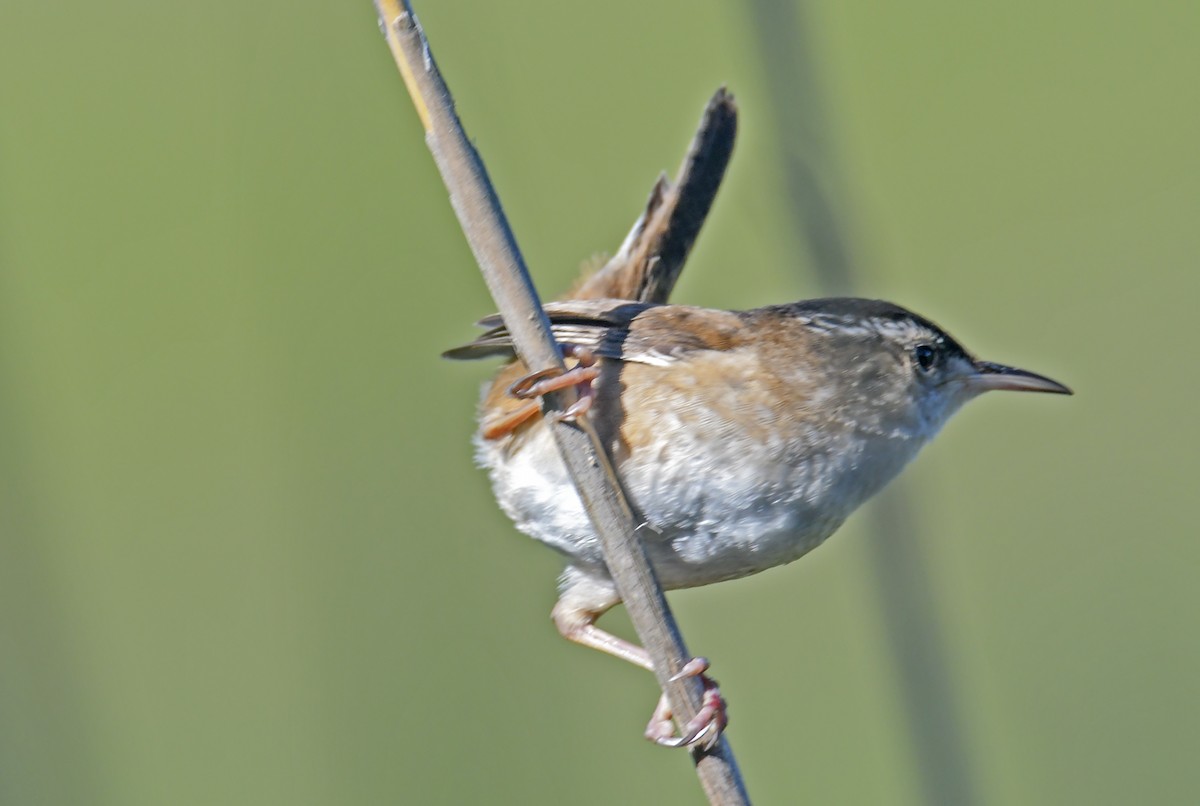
<point x="708" y="723"/>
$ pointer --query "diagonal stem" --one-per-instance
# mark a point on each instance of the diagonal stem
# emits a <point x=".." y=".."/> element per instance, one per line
<point x="495" y="249"/>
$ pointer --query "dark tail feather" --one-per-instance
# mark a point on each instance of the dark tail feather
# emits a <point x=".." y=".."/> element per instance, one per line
<point x="649" y="262"/>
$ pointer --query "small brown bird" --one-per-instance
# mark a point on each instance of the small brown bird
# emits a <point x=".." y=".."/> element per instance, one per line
<point x="744" y="438"/>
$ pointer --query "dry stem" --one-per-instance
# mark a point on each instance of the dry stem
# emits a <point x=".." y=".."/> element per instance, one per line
<point x="495" y="249"/>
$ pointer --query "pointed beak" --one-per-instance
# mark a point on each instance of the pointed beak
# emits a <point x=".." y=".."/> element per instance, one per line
<point x="991" y="376"/>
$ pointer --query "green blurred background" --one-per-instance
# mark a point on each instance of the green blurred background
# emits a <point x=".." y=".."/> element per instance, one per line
<point x="245" y="557"/>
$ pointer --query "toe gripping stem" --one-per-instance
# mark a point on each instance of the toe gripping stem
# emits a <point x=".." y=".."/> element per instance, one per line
<point x="580" y="376"/>
<point x="705" y="728"/>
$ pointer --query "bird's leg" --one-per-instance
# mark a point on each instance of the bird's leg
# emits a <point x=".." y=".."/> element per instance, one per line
<point x="497" y="427"/>
<point x="578" y="624"/>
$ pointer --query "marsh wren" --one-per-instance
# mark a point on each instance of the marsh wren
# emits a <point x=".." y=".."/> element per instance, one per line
<point x="743" y="438"/>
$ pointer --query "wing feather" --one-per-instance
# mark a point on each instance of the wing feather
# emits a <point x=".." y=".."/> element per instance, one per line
<point x="642" y="333"/>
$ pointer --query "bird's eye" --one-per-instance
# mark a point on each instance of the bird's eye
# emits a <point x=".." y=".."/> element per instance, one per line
<point x="925" y="355"/>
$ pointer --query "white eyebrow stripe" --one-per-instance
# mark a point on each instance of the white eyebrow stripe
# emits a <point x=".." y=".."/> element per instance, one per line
<point x="827" y="323"/>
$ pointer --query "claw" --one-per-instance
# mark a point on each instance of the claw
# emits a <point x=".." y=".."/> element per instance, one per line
<point x="708" y="723"/>
<point x="577" y="409"/>
<point x="696" y="667"/>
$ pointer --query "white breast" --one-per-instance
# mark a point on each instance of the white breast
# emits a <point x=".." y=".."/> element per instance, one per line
<point x="720" y="502"/>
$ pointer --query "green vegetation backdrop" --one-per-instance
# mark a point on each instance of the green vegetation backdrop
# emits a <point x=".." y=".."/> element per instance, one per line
<point x="245" y="557"/>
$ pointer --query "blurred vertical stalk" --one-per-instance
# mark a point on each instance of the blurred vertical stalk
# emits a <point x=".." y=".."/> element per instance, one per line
<point x="46" y="741"/>
<point x="900" y="575"/>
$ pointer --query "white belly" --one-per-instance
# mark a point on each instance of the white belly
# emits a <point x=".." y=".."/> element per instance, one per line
<point x="716" y="508"/>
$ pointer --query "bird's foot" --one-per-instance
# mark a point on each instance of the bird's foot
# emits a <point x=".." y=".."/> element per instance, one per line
<point x="579" y="376"/>
<point x="705" y="728"/>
